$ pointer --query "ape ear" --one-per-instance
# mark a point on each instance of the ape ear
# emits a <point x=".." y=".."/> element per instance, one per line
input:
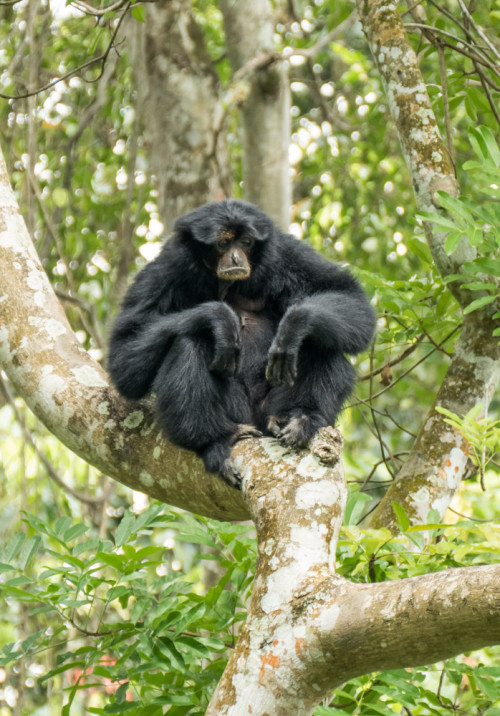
<point x="196" y="226"/>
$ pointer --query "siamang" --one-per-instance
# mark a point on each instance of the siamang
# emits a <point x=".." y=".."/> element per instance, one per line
<point x="239" y="330"/>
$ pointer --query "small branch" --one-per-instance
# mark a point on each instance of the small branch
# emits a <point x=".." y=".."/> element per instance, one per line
<point x="101" y="59"/>
<point x="476" y="52"/>
<point x="446" y="104"/>
<point x="88" y="10"/>
<point x="479" y="31"/>
<point x="374" y="417"/>
<point x="93" y="328"/>
<point x="408" y="351"/>
<point x="410" y="369"/>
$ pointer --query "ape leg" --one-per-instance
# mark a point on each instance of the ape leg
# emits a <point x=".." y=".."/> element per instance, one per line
<point x="295" y="413"/>
<point x="201" y="410"/>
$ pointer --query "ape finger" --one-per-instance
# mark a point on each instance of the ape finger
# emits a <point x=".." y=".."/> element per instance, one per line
<point x="245" y="431"/>
<point x="290" y="368"/>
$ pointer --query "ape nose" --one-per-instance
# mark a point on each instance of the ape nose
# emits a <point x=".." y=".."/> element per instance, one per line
<point x="234" y="258"/>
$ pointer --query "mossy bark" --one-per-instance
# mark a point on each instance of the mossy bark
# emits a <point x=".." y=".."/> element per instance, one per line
<point x="437" y="462"/>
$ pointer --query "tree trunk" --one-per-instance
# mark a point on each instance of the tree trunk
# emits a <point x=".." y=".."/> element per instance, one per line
<point x="265" y="110"/>
<point x="178" y="100"/>
<point x="433" y="471"/>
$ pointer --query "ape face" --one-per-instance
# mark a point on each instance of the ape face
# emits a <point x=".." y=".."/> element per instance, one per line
<point x="231" y="253"/>
<point x="228" y="236"/>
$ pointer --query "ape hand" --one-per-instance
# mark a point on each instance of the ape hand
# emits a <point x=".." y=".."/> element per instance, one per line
<point x="282" y="365"/>
<point x="226" y="361"/>
<point x="226" y="332"/>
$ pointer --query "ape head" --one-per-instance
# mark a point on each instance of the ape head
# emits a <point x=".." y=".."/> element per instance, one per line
<point x="227" y="235"/>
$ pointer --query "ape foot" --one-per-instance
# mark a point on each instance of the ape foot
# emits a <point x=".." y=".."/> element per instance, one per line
<point x="245" y="431"/>
<point x="296" y="433"/>
<point x="274" y="425"/>
<point x="230" y="475"/>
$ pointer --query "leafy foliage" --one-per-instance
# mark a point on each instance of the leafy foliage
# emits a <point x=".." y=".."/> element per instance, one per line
<point x="177" y="634"/>
<point x="112" y="610"/>
<point x="477" y="222"/>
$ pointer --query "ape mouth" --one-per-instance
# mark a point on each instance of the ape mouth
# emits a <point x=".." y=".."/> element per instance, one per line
<point x="234" y="273"/>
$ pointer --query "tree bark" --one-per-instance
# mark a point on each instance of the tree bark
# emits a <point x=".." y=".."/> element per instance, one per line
<point x="178" y="100"/>
<point x="437" y="462"/>
<point x="265" y="110"/>
<point x="309" y="630"/>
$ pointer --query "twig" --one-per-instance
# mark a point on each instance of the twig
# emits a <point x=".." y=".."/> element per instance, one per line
<point x="394" y="456"/>
<point x="102" y="59"/>
<point x="374" y="417"/>
<point x="91" y="328"/>
<point x="431" y="340"/>
<point x="403" y="375"/>
<point x="485" y="60"/>
<point x="476" y="27"/>
<point x="408" y="351"/>
<point x="440" y="686"/>
<point x="88" y="10"/>
<point x="446" y="104"/>
<point x="472" y="519"/>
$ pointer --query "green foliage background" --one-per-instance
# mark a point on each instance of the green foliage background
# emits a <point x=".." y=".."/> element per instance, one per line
<point x="121" y="605"/>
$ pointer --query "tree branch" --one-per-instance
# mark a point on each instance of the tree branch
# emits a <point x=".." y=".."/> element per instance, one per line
<point x="309" y="630"/>
<point x="438" y="459"/>
<point x="71" y="394"/>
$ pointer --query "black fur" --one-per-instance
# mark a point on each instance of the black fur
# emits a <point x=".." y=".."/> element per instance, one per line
<point x="261" y="354"/>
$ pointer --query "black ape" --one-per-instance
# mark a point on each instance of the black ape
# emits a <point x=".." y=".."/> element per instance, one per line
<point x="239" y="330"/>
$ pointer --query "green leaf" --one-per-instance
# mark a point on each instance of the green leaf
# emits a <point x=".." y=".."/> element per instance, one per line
<point x="479" y="303"/>
<point x="116" y="592"/>
<point x="28" y="551"/>
<point x="167" y="649"/>
<point x="480" y="286"/>
<point x="456" y="208"/>
<point x="75" y="531"/>
<point x="61" y="669"/>
<point x="420" y="249"/>
<point x="356" y="502"/>
<point x="486" y="141"/>
<point x="138" y="13"/>
<point x="13" y="546"/>
<point x="125" y="528"/>
<point x="401" y="516"/>
<point x="490" y="266"/>
<point x="437" y="219"/>
<point x="452" y="241"/>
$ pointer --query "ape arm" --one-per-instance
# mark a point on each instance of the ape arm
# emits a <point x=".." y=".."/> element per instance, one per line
<point x="334" y="313"/>
<point x="142" y="337"/>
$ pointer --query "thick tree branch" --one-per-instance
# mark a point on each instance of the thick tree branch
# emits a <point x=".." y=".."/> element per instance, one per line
<point x="309" y="630"/>
<point x="71" y="394"/>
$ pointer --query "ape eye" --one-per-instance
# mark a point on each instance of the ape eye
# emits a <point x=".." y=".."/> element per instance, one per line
<point x="224" y="243"/>
<point x="246" y="241"/>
